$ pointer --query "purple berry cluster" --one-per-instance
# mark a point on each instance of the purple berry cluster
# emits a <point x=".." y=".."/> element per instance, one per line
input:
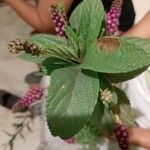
<point x="121" y="134"/>
<point x="59" y="19"/>
<point x="31" y="96"/>
<point x="112" y="17"/>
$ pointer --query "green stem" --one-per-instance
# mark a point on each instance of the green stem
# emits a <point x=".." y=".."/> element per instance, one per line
<point x="103" y="32"/>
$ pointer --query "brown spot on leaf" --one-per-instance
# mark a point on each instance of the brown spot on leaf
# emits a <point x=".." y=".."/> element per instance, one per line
<point x="109" y="44"/>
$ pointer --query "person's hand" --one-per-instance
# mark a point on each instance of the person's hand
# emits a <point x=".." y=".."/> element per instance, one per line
<point x="139" y="137"/>
<point x="38" y="16"/>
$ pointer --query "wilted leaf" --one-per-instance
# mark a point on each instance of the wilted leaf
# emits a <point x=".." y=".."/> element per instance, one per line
<point x="109" y="44"/>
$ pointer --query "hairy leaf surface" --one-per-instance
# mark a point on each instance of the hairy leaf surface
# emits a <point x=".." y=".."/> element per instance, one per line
<point x="72" y="97"/>
<point x="123" y="58"/>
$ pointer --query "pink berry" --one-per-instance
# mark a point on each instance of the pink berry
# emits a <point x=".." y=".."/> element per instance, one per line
<point x="62" y="33"/>
<point x="113" y="15"/>
<point x="113" y="25"/>
<point x="57" y="29"/>
<point x="59" y="18"/>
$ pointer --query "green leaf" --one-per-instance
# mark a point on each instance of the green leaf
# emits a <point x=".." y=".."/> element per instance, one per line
<point x="86" y="135"/>
<point x="55" y="46"/>
<point x="52" y="63"/>
<point x="75" y="17"/>
<point x="102" y="119"/>
<point x="31" y="58"/>
<point x="107" y="92"/>
<point x="89" y="134"/>
<point x="72" y="97"/>
<point x="90" y="20"/>
<point x="140" y="42"/>
<point x="125" y="111"/>
<point x="121" y="77"/>
<point x="88" y="138"/>
<point x="87" y="21"/>
<point x="96" y="118"/>
<point x="115" y="55"/>
<point x="72" y="39"/>
<point x="44" y="39"/>
<point x="108" y="121"/>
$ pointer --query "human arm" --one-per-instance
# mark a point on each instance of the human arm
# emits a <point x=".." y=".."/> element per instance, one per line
<point x="139" y="137"/>
<point x="37" y="16"/>
<point x="142" y="29"/>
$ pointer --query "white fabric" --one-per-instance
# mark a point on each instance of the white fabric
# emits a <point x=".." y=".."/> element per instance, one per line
<point x="139" y="94"/>
<point x="137" y="89"/>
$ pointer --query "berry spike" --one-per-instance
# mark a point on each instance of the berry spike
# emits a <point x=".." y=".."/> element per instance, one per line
<point x="21" y="45"/>
<point x="34" y="94"/>
<point x="121" y="134"/>
<point x="59" y="19"/>
<point x="112" y="17"/>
